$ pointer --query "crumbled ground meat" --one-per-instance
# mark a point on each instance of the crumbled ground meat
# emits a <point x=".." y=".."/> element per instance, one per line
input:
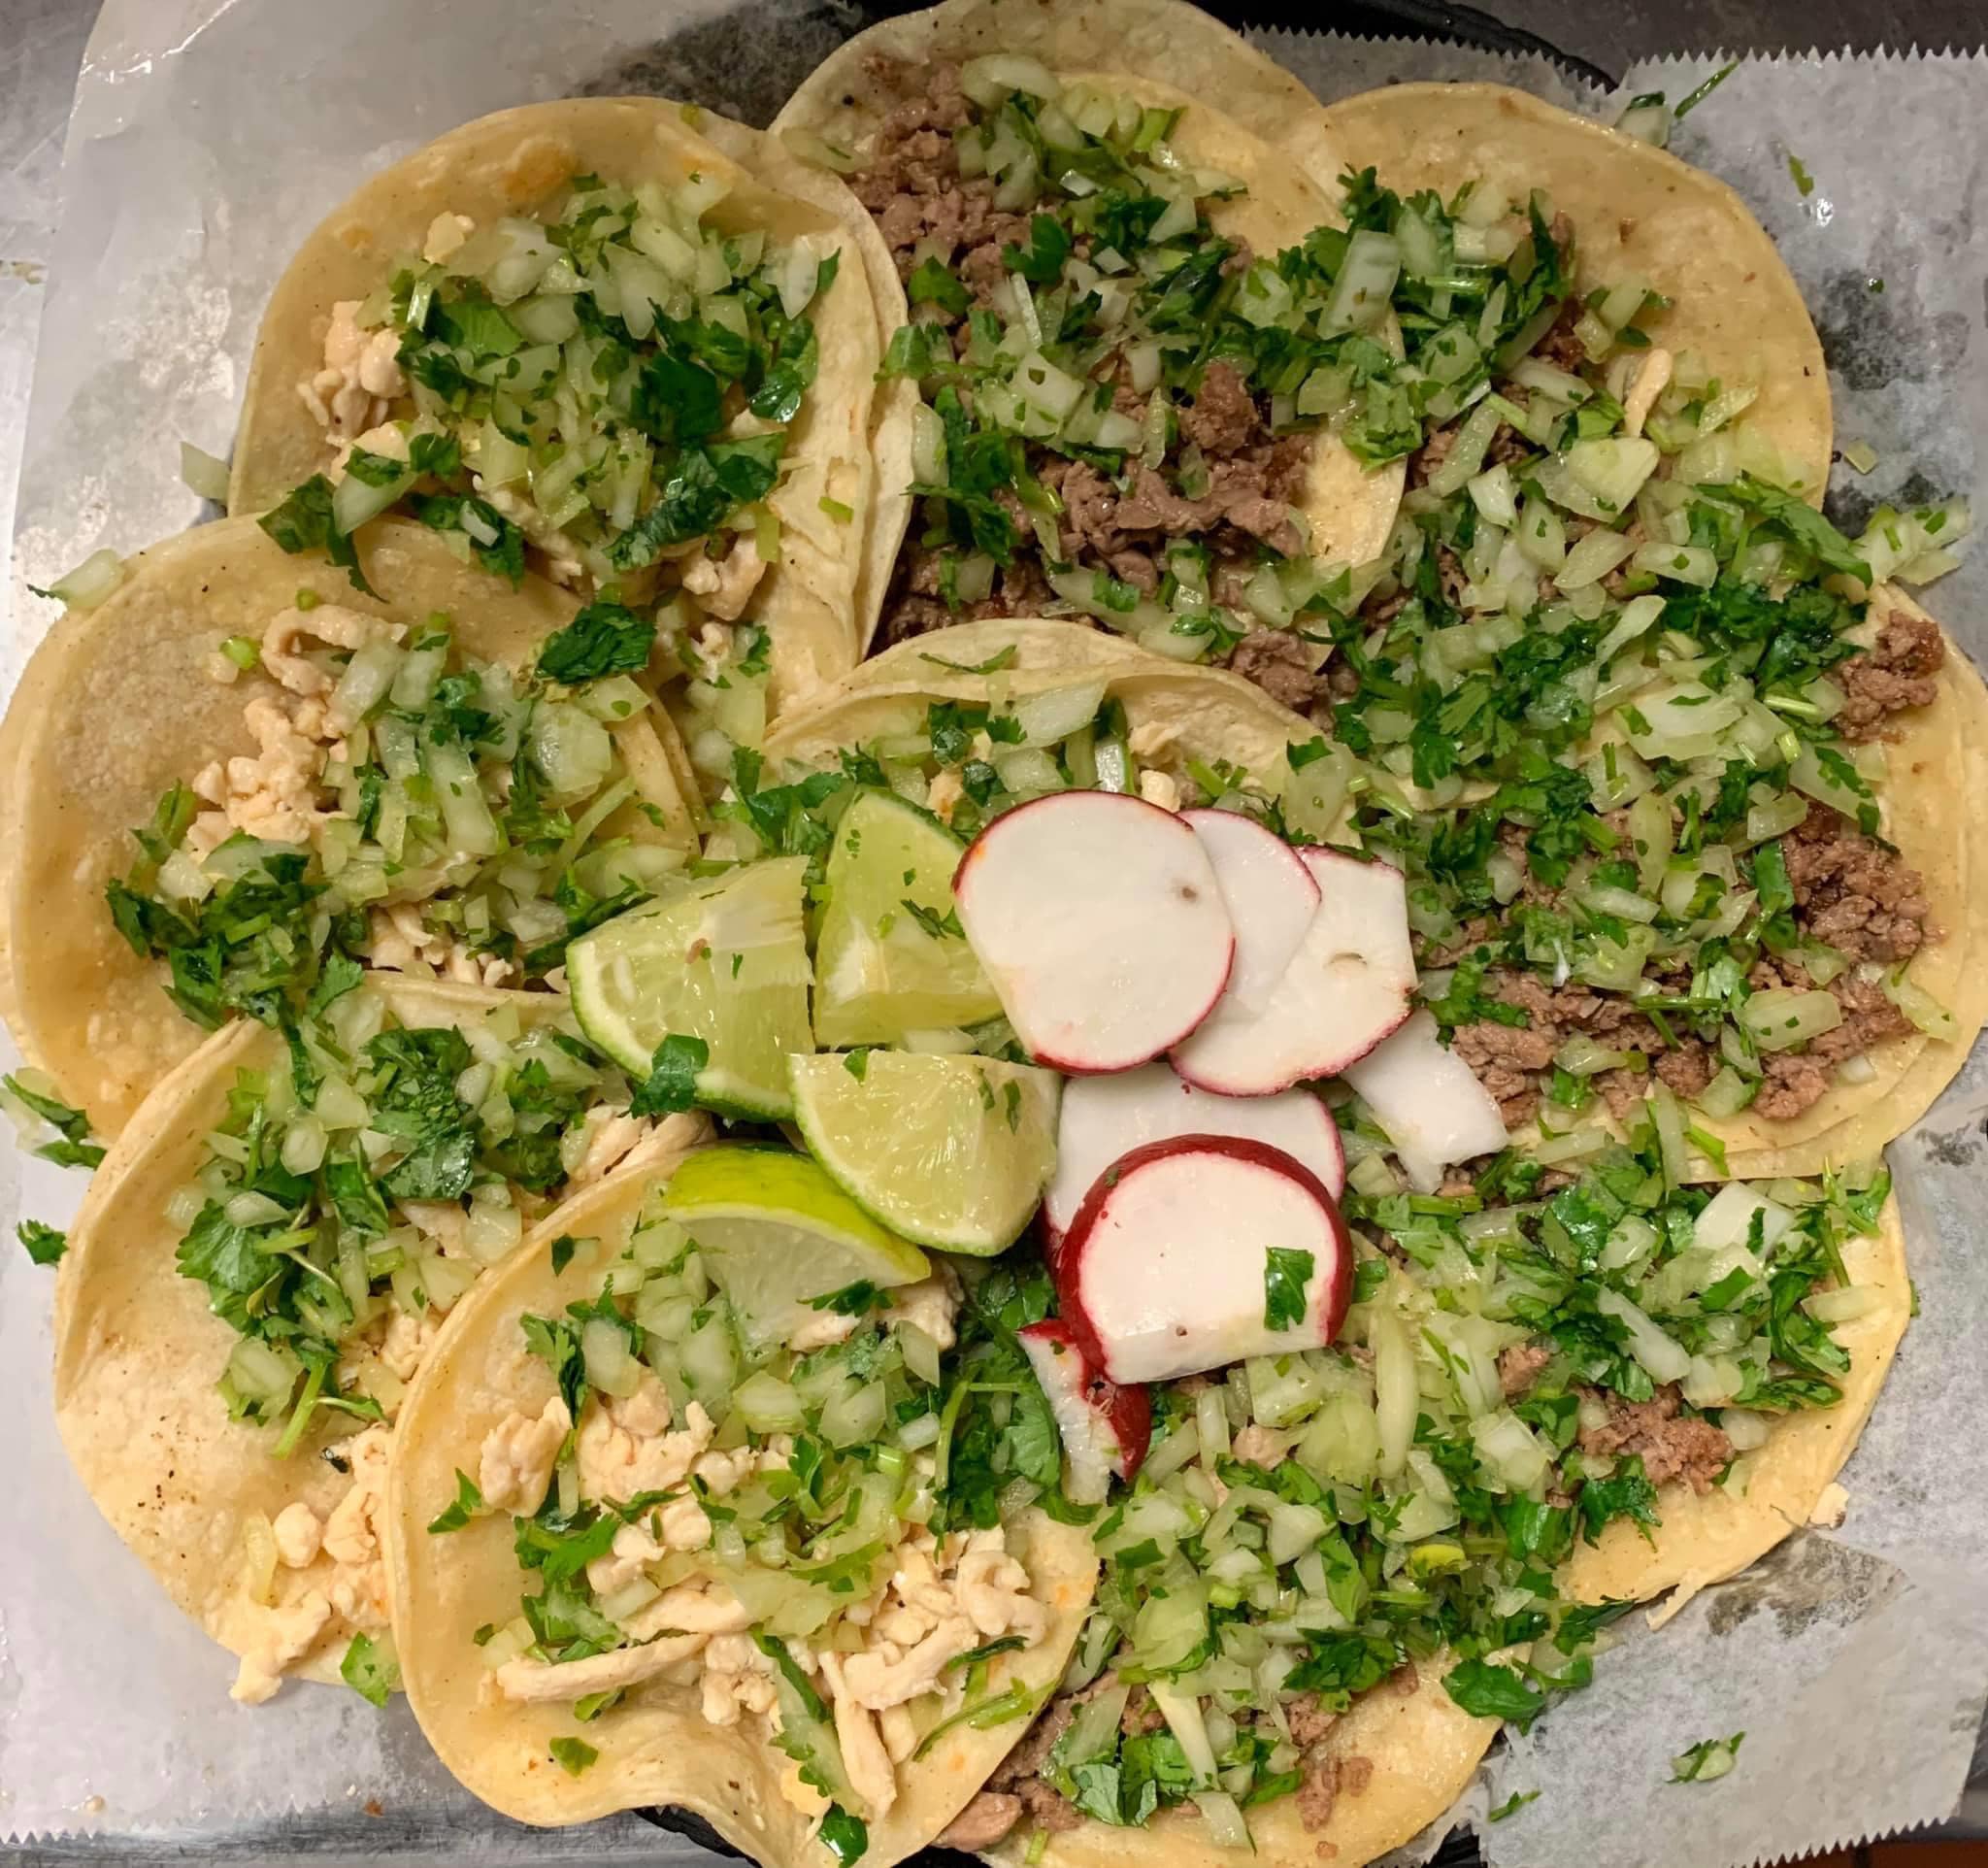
<point x="1223" y="420"/>
<point x="1795" y="1081"/>
<point x="983" y="1822"/>
<point x="1281" y="665"/>
<point x="1519" y="1366"/>
<point x="1671" y="1444"/>
<point x="915" y="189"/>
<point x="1851" y="892"/>
<point x="1309" y="1720"/>
<point x="1560" y="347"/>
<point x="1506" y="1058"/>
<point x="1326" y="1780"/>
<point x="1900" y="669"/>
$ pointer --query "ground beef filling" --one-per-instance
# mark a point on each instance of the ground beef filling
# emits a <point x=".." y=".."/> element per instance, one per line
<point x="1120" y="525"/>
<point x="1900" y="669"/>
<point x="1851" y="893"/>
<point x="1670" y="1443"/>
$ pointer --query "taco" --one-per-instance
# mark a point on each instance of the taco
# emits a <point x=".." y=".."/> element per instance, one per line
<point x="262" y="1263"/>
<point x="1734" y="330"/>
<point x="582" y="335"/>
<point x="446" y="777"/>
<point x="659" y="1532"/>
<point x="1161" y="389"/>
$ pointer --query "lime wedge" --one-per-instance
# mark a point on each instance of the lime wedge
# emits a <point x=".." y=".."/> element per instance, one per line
<point x="724" y="960"/>
<point x="952" y="1152"/>
<point x="881" y="970"/>
<point x="775" y="1231"/>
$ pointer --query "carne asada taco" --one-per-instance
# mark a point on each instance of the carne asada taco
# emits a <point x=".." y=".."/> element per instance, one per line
<point x="582" y="335"/>
<point x="1160" y="385"/>
<point x="691" y="1504"/>
<point x="448" y="777"/>
<point x="1735" y="334"/>
<point x="263" y="1261"/>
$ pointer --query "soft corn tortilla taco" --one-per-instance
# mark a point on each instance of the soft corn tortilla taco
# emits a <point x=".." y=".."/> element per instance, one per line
<point x="263" y="1528"/>
<point x="1637" y="213"/>
<point x="1248" y="447"/>
<point x="689" y="1727"/>
<point x="728" y="457"/>
<point x="210" y="680"/>
<point x="1779" y="1488"/>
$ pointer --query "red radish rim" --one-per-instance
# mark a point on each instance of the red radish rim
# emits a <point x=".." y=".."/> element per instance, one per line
<point x="1064" y="1271"/>
<point x="1127" y="1407"/>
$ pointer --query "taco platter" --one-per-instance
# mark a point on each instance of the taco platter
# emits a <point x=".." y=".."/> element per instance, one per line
<point x="1023" y="970"/>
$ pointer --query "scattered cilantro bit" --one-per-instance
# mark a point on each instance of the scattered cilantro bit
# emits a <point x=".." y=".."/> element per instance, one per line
<point x="302" y="522"/>
<point x="843" y="1835"/>
<point x="853" y="1300"/>
<point x="938" y="927"/>
<point x="74" y="1149"/>
<point x="1285" y="1273"/>
<point x="563" y="1249"/>
<point x="572" y="1754"/>
<point x="371" y="1668"/>
<point x="469" y="1501"/>
<point x="1512" y="1805"/>
<point x="1000" y="659"/>
<point x="672" y="1083"/>
<point x="1486" y="1690"/>
<point x="1707" y="1761"/>
<point x="44" y="1246"/>
<point x="603" y="639"/>
<point x="1804" y="183"/>
<point x="857" y="1062"/>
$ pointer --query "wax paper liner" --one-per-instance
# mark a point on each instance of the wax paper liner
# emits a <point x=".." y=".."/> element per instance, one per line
<point x="206" y="137"/>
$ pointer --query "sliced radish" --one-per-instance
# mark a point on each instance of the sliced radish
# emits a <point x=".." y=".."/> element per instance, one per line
<point x="1106" y="1429"/>
<point x="1105" y="1117"/>
<point x="1430" y="1102"/>
<point x="1100" y="924"/>
<point x="1346" y="988"/>
<point x="1271" y="895"/>
<point x="1198" y="1251"/>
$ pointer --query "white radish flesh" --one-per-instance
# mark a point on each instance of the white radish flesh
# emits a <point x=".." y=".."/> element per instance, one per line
<point x="1270" y="896"/>
<point x="1347" y="987"/>
<point x="1430" y="1102"/>
<point x="1100" y="924"/>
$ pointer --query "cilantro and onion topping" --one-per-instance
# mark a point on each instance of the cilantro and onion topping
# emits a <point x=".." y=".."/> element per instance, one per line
<point x="607" y="384"/>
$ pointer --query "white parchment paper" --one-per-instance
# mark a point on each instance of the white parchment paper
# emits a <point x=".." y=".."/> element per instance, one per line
<point x="207" y="135"/>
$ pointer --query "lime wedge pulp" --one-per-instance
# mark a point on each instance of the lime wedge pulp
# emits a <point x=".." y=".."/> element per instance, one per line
<point x="952" y="1152"/>
<point x="881" y="969"/>
<point x="775" y="1231"/>
<point x="723" y="960"/>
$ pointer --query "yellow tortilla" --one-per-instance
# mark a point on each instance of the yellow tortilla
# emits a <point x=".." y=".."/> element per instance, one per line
<point x="511" y="164"/>
<point x="1927" y="813"/>
<point x="1126" y="48"/>
<point x="138" y="1352"/>
<point x="1423" y="1749"/>
<point x="1774" y="1490"/>
<point x="1185" y="711"/>
<point x="1638" y="212"/>
<point x="121" y="702"/>
<point x="654" y="1747"/>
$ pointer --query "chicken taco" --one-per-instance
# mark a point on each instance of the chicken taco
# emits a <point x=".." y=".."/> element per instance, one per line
<point x="243" y="780"/>
<point x="582" y="336"/>
<point x="692" y="1505"/>
<point x="1158" y="382"/>
<point x="261" y="1265"/>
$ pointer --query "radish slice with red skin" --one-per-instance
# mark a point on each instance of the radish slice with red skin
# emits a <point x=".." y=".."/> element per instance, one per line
<point x="1166" y="1270"/>
<point x="1346" y="988"/>
<point x="1270" y="896"/>
<point x="1105" y="1429"/>
<point x="1430" y="1102"/>
<point x="1100" y="924"/>
<point x="1105" y="1117"/>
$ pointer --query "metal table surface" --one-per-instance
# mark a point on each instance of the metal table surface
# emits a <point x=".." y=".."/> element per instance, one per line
<point x="41" y="43"/>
